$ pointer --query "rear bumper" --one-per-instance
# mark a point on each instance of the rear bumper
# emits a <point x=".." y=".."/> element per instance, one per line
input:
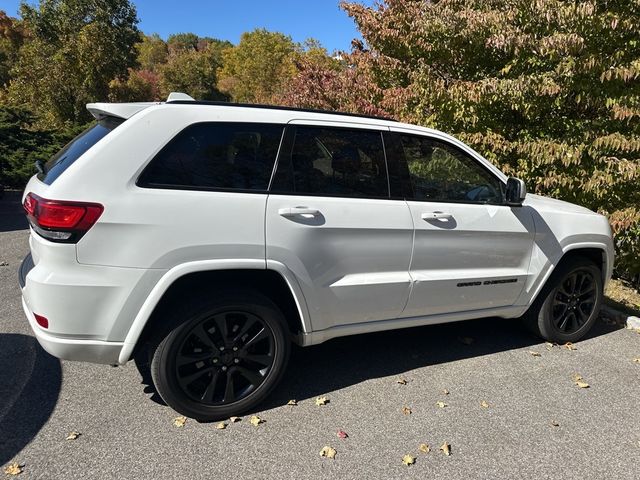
<point x="89" y="307"/>
<point x="94" y="351"/>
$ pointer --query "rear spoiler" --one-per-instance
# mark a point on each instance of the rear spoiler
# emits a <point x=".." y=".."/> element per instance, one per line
<point x="126" y="110"/>
<point x="119" y="110"/>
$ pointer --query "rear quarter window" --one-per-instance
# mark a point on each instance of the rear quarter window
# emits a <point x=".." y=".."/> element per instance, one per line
<point x="73" y="150"/>
<point x="216" y="156"/>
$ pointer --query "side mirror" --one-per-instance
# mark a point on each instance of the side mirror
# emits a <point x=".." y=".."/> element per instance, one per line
<point x="516" y="191"/>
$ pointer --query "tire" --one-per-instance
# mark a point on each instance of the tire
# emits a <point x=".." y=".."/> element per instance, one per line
<point x="560" y="314"/>
<point x="194" y="365"/>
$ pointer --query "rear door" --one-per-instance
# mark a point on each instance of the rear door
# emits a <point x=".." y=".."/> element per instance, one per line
<point x="330" y="220"/>
<point x="471" y="251"/>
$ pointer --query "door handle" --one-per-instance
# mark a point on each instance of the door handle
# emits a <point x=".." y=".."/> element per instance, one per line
<point x="437" y="216"/>
<point x="293" y="211"/>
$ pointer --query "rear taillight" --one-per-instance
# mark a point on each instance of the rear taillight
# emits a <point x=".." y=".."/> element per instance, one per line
<point x="61" y="221"/>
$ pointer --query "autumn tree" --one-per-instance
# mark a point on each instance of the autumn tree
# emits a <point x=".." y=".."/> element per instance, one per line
<point x="194" y="69"/>
<point x="255" y="69"/>
<point x="138" y="86"/>
<point x="547" y="89"/>
<point x="322" y="82"/>
<point x="152" y="52"/>
<point x="181" y="42"/>
<point x="12" y="36"/>
<point x="76" y="48"/>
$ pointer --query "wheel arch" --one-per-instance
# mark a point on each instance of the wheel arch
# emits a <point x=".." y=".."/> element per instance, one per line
<point x="273" y="279"/>
<point x="598" y="253"/>
<point x="595" y="252"/>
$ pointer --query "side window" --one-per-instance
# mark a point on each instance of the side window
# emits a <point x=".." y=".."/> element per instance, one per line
<point x="440" y="172"/>
<point x="216" y="155"/>
<point x="333" y="162"/>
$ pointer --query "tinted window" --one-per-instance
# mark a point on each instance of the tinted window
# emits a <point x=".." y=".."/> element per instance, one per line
<point x="76" y="147"/>
<point x="440" y="172"/>
<point x="334" y="162"/>
<point x="234" y="156"/>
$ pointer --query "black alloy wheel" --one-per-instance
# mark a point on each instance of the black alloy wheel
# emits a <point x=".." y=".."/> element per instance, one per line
<point x="574" y="301"/>
<point x="568" y="305"/>
<point x="225" y="357"/>
<point x="220" y="354"/>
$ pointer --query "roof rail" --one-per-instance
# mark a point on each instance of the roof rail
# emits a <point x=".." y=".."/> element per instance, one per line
<point x="273" y="107"/>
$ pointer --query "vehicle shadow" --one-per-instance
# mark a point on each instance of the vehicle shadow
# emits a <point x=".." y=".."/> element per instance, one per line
<point x="342" y="362"/>
<point x="11" y="214"/>
<point x="30" y="381"/>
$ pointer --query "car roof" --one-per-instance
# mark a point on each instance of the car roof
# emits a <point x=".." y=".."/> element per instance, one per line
<point x="281" y="113"/>
<point x="126" y="110"/>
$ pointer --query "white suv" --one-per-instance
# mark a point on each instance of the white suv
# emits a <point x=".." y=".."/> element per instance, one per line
<point x="215" y="234"/>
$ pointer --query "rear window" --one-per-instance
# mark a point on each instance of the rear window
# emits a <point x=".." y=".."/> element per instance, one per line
<point x="76" y="147"/>
<point x="216" y="156"/>
<point x="333" y="162"/>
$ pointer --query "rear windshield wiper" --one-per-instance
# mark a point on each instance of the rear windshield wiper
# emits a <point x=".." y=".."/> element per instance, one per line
<point x="39" y="166"/>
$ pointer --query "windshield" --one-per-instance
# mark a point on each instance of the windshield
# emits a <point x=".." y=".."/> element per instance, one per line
<point x="76" y="147"/>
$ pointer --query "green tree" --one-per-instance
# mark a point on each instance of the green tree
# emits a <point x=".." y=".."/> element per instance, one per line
<point x="139" y="86"/>
<point x="12" y="36"/>
<point x="255" y="69"/>
<point x="549" y="90"/>
<point x="152" y="52"/>
<point x="76" y="48"/>
<point x="194" y="72"/>
<point x="182" y="42"/>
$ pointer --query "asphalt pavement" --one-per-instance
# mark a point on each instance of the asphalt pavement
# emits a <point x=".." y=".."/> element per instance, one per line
<point x="509" y="413"/>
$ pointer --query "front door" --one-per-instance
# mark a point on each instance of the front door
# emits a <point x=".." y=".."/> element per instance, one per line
<point x="329" y="219"/>
<point x="471" y="251"/>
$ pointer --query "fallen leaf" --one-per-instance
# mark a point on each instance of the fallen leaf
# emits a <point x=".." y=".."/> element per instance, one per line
<point x="342" y="434"/>
<point x="424" y="448"/>
<point x="534" y="353"/>
<point x="569" y="346"/>
<point x="235" y="419"/>
<point x="401" y="381"/>
<point x="73" y="436"/>
<point x="408" y="459"/>
<point x="221" y="426"/>
<point x="406" y="410"/>
<point x="14" y="469"/>
<point x="446" y="448"/>
<point x="293" y="402"/>
<point x="579" y="381"/>
<point x="466" y="340"/>
<point x="445" y="391"/>
<point x="255" y="420"/>
<point x="322" y="401"/>
<point x="550" y="345"/>
<point x="636" y="360"/>
<point x="328" y="452"/>
<point x="554" y="423"/>
<point x="179" y="421"/>
<point x="484" y="404"/>
<point x="441" y="404"/>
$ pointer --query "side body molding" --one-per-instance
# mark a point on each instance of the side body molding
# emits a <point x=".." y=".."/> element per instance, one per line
<point x="183" y="269"/>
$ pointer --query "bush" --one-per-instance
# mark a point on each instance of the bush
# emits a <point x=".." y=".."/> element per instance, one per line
<point x="21" y="144"/>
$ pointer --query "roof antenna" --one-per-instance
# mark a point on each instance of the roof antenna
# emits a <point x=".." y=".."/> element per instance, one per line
<point x="173" y="96"/>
